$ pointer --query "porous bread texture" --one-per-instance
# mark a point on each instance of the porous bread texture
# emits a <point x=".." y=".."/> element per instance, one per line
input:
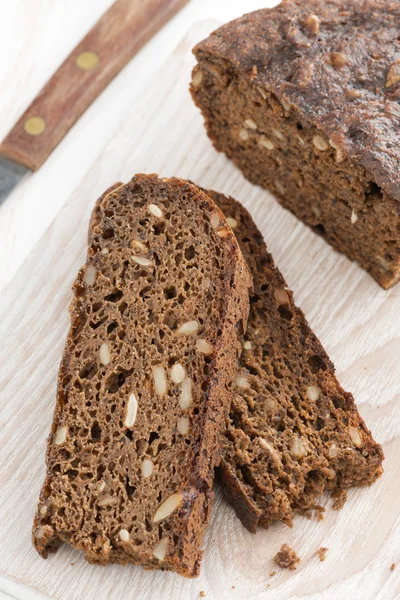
<point x="303" y="98"/>
<point x="144" y="383"/>
<point x="292" y="431"/>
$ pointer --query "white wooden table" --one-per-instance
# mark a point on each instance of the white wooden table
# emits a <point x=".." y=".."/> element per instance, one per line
<point x="357" y="321"/>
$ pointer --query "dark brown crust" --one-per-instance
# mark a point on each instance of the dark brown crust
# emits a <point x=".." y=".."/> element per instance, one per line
<point x="236" y="494"/>
<point x="96" y="212"/>
<point x="184" y="528"/>
<point x="278" y="42"/>
<point x="283" y="341"/>
<point x="334" y="65"/>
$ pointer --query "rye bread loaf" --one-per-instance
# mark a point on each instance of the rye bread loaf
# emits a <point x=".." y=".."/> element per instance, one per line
<point x="304" y="98"/>
<point x="292" y="431"/>
<point x="144" y="383"/>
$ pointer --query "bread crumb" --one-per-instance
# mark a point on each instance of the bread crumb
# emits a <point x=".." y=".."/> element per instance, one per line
<point x="202" y="594"/>
<point x="272" y="574"/>
<point x="316" y="512"/>
<point x="339" y="498"/>
<point x="322" y="553"/>
<point x="392" y="566"/>
<point x="286" y="558"/>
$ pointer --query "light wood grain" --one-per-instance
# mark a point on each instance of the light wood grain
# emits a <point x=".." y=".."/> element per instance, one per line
<point x="90" y="67"/>
<point x="357" y="322"/>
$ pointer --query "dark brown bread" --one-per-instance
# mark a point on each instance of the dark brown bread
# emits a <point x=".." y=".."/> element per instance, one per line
<point x="292" y="431"/>
<point x="135" y="439"/>
<point x="304" y="98"/>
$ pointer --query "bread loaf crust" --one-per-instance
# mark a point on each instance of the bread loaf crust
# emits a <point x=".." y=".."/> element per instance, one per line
<point x="303" y="98"/>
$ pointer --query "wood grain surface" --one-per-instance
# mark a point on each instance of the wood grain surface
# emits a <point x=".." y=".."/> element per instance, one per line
<point x="103" y="52"/>
<point x="357" y="322"/>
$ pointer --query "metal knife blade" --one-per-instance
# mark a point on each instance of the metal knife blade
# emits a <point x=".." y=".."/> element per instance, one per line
<point x="11" y="174"/>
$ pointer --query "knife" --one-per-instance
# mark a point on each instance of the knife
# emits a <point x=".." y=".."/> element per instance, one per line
<point x="104" y="51"/>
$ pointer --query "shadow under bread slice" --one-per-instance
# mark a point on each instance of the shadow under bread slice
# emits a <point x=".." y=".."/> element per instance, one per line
<point x="144" y="383"/>
<point x="292" y="431"/>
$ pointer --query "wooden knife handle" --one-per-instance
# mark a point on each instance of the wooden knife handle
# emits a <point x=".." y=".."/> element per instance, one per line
<point x="108" y="46"/>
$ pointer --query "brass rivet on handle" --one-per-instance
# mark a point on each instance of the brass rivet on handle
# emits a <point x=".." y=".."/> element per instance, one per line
<point x="34" y="125"/>
<point x="87" y="61"/>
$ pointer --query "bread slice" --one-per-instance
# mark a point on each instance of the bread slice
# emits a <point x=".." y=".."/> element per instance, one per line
<point x="292" y="431"/>
<point x="304" y="98"/>
<point x="143" y="389"/>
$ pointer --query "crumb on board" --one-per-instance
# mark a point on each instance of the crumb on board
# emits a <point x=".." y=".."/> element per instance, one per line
<point x="286" y="558"/>
<point x="392" y="566"/>
<point x="316" y="512"/>
<point x="322" y="553"/>
<point x="202" y="594"/>
<point x="339" y="498"/>
<point x="272" y="574"/>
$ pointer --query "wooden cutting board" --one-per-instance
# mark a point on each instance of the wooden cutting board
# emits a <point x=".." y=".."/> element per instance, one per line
<point x="358" y="323"/>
